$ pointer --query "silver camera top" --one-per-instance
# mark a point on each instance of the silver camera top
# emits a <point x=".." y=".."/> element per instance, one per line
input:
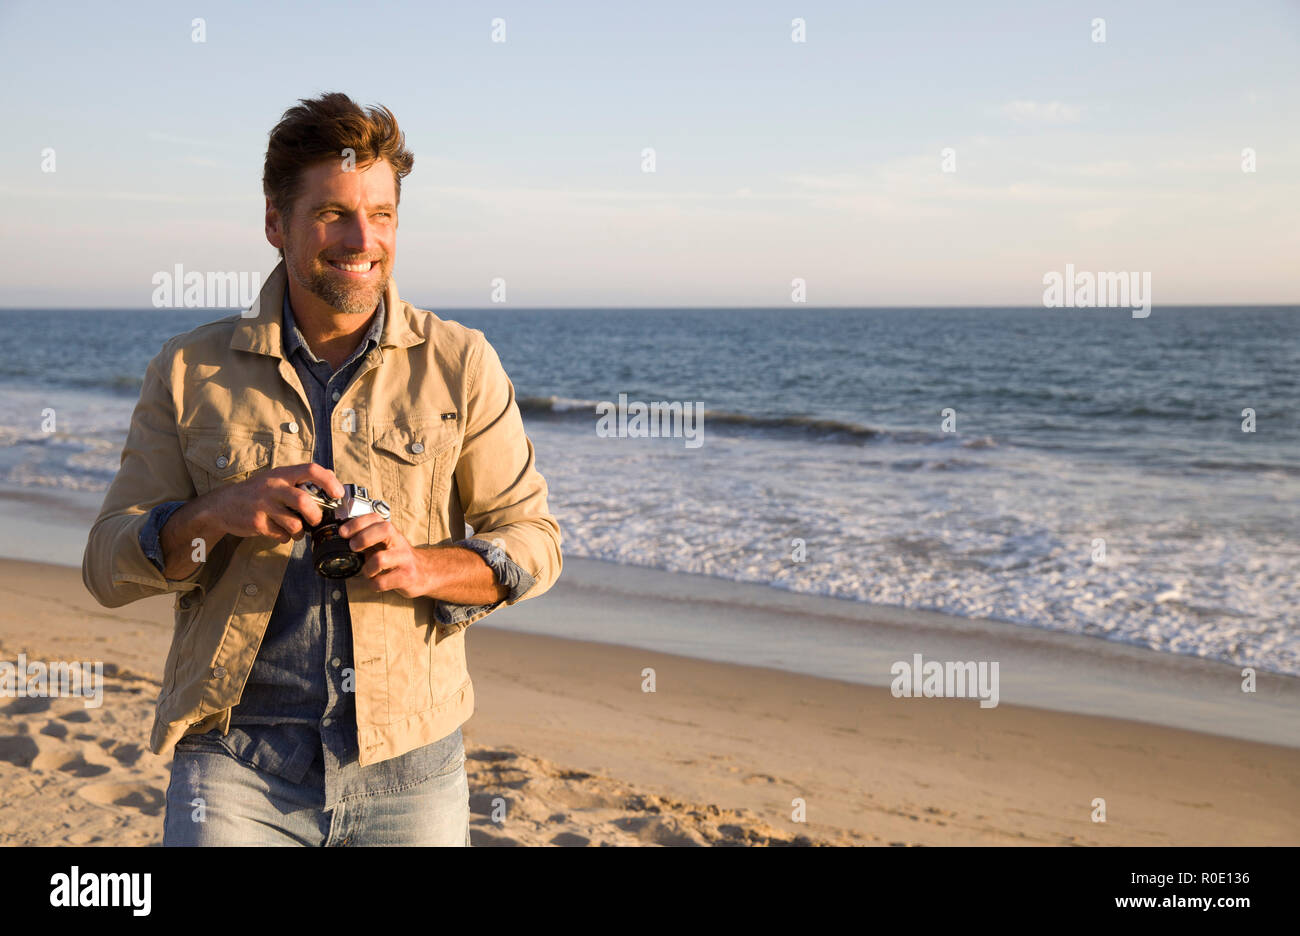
<point x="353" y="503"/>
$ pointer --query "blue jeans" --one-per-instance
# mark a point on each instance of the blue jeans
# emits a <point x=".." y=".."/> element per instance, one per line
<point x="215" y="799"/>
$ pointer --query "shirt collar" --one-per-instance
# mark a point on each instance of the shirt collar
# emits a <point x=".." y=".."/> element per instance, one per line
<point x="293" y="340"/>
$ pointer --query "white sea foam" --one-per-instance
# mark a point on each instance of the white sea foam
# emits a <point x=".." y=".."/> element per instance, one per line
<point x="1186" y="570"/>
<point x="1203" y="565"/>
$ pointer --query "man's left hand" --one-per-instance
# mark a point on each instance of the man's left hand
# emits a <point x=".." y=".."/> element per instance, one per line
<point x="395" y="565"/>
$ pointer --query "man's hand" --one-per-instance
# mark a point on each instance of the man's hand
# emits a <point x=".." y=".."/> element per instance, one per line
<point x="392" y="563"/>
<point x="272" y="504"/>
<point x="268" y="505"/>
<point x="449" y="573"/>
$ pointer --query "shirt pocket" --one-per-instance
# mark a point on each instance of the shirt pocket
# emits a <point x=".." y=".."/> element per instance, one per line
<point x="223" y="457"/>
<point x="412" y="462"/>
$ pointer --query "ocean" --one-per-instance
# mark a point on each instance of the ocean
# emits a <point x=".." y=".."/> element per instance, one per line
<point x="1066" y="469"/>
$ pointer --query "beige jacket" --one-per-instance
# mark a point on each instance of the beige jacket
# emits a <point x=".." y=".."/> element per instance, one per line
<point x="220" y="404"/>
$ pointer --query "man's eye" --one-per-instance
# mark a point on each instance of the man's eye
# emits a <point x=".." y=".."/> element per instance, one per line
<point x="383" y="214"/>
<point x="328" y="215"/>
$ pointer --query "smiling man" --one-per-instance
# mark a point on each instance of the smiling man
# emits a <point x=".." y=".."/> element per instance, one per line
<point x="306" y="710"/>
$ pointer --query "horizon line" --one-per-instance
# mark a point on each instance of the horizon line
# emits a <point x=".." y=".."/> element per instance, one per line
<point x="756" y="308"/>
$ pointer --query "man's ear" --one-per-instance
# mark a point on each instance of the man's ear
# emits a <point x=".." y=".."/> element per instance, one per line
<point x="274" y="228"/>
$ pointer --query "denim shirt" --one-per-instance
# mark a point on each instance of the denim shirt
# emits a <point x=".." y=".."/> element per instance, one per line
<point x="296" y="716"/>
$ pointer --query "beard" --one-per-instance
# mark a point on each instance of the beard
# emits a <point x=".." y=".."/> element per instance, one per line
<point x="336" y="290"/>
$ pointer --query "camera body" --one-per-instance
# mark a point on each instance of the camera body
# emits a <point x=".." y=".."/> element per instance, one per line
<point x="331" y="555"/>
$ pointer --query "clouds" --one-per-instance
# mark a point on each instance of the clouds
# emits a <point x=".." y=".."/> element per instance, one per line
<point x="1038" y="112"/>
<point x="775" y="160"/>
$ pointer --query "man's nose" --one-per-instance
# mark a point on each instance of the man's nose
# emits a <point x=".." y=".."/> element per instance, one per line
<point x="361" y="235"/>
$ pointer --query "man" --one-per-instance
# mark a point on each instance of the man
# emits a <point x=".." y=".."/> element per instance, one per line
<point x="304" y="709"/>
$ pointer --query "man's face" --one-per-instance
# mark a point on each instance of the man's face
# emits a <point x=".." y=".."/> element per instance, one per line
<point x="340" y="238"/>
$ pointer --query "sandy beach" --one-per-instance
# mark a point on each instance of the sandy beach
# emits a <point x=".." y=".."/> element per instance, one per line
<point x="719" y="753"/>
<point x="882" y="419"/>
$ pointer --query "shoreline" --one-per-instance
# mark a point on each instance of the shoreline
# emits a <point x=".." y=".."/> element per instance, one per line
<point x="722" y="620"/>
<point x="719" y="753"/>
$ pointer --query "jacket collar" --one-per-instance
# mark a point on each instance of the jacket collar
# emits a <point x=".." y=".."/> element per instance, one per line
<point x="293" y="340"/>
<point x="259" y="328"/>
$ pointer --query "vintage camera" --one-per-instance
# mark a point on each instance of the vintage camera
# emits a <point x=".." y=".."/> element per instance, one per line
<point x="330" y="553"/>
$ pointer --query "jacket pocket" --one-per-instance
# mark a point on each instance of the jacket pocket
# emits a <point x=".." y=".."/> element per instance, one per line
<point x="448" y="669"/>
<point x="412" y="461"/>
<point x="188" y="609"/>
<point x="224" y="457"/>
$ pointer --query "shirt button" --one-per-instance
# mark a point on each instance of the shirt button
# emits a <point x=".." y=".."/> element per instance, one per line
<point x="336" y="395"/>
<point x="327" y="721"/>
<point x="335" y="662"/>
<point x="293" y="427"/>
<point x="250" y="589"/>
<point x="222" y="461"/>
<point x="336" y="594"/>
<point x="219" y="672"/>
<point x="417" y="447"/>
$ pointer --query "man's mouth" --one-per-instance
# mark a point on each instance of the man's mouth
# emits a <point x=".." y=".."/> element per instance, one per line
<point x="362" y="268"/>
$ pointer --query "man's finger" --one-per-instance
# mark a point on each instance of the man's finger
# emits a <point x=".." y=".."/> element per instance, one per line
<point x="290" y="524"/>
<point x="381" y="561"/>
<point x="385" y="581"/>
<point x="322" y="477"/>
<point x="372" y="534"/>
<point x="354" y="526"/>
<point x="265" y="521"/>
<point x="302" y="503"/>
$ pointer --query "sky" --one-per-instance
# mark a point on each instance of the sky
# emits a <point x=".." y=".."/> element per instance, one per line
<point x="820" y="160"/>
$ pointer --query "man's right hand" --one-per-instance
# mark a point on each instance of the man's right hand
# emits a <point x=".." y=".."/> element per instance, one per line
<point x="270" y="504"/>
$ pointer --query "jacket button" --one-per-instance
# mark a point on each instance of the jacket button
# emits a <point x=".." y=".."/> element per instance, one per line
<point x="336" y="594"/>
<point x="417" y="447"/>
<point x="250" y="589"/>
<point x="185" y="602"/>
<point x="222" y="461"/>
<point x="219" y="672"/>
<point x="293" y="427"/>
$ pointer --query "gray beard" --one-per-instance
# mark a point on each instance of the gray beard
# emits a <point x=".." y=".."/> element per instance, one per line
<point x="354" y="300"/>
<point x="357" y="300"/>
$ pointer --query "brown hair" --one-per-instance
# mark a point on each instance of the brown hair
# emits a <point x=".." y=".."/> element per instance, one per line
<point x="321" y="128"/>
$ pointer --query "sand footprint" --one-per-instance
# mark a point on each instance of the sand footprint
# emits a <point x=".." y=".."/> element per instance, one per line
<point x="571" y="840"/>
<point x="19" y="750"/>
<point x="127" y="754"/>
<point x="27" y="706"/>
<point x="69" y="762"/>
<point x="134" y="795"/>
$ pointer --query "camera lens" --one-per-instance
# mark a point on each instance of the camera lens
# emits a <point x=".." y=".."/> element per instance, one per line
<point x="345" y="565"/>
<point x="330" y="552"/>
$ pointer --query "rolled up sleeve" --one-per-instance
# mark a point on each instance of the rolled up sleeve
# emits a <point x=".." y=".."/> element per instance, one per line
<point x="517" y="582"/>
<point x="151" y="532"/>
<point x="503" y="495"/>
<point x="115" y="566"/>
